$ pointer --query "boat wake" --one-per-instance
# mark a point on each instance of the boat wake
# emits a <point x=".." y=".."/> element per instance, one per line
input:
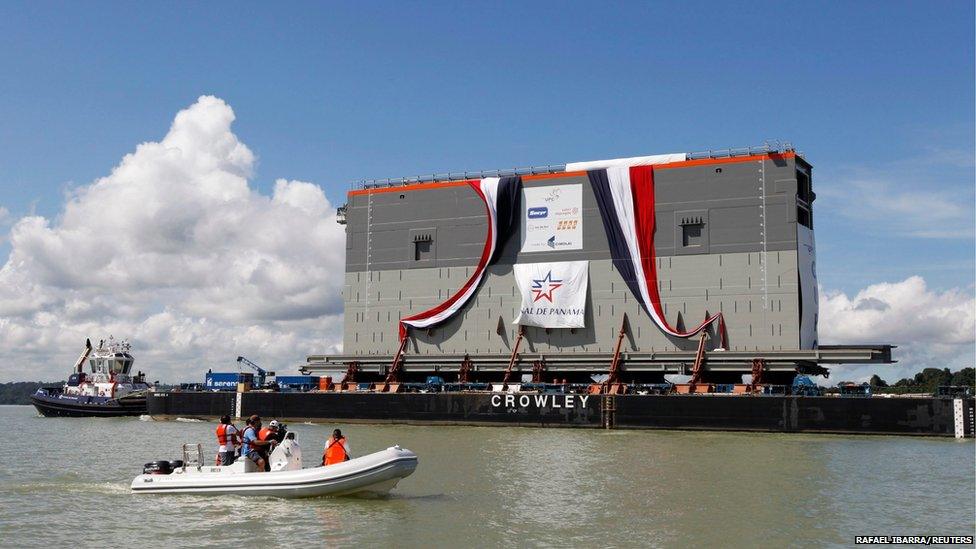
<point x="67" y="486"/>
<point x="188" y="420"/>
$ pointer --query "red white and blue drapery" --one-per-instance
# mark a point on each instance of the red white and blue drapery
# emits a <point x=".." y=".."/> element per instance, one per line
<point x="501" y="199"/>
<point x="625" y="196"/>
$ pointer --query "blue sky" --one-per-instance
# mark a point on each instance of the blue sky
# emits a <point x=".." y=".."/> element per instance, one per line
<point x="879" y="97"/>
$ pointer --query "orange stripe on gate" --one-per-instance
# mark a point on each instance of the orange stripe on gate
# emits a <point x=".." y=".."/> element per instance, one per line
<point x="413" y="187"/>
<point x="552" y="175"/>
<point x="536" y="177"/>
<point x="728" y="160"/>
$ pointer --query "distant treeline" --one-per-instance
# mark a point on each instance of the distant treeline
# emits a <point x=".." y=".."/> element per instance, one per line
<point x="19" y="392"/>
<point x="926" y="381"/>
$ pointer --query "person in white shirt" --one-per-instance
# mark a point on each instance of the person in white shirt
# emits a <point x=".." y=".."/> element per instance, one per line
<point x="228" y="439"/>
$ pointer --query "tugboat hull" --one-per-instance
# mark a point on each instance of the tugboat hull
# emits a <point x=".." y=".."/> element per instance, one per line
<point x="60" y="405"/>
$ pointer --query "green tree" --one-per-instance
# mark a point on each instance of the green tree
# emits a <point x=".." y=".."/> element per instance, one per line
<point x="964" y="378"/>
<point x="930" y="378"/>
<point x="876" y="381"/>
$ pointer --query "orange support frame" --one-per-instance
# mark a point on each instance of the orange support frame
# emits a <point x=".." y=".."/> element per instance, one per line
<point x="515" y="357"/>
<point x="612" y="385"/>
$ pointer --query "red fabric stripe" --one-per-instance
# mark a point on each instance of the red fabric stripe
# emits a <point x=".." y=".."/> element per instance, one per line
<point x="482" y="263"/>
<point x="642" y="191"/>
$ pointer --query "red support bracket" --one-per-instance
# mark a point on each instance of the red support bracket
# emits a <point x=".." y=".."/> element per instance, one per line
<point x="351" y="370"/>
<point x="697" y="370"/>
<point x="758" y="369"/>
<point x="515" y="356"/>
<point x="393" y="376"/>
<point x="538" y="370"/>
<point x="464" y="372"/>
<point x="614" y="374"/>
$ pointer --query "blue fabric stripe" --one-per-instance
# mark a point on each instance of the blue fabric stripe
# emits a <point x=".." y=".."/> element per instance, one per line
<point x="506" y="212"/>
<point x="619" y="251"/>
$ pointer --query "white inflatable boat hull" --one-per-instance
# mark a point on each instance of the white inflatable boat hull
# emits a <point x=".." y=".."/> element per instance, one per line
<point x="373" y="474"/>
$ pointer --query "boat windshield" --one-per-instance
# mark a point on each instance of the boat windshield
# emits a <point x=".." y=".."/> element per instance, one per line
<point x="115" y="365"/>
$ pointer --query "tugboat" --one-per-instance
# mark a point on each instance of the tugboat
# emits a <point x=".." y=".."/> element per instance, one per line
<point x="109" y="390"/>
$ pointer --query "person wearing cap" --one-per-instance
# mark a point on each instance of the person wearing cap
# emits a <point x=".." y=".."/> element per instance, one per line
<point x="268" y="434"/>
<point x="336" y="449"/>
<point x="270" y="431"/>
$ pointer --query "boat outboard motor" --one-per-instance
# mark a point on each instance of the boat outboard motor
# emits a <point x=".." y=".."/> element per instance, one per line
<point x="161" y="467"/>
<point x="287" y="456"/>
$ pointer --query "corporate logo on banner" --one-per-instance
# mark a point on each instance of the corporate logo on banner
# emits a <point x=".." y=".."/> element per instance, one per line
<point x="553" y="294"/>
<point x="542" y="288"/>
<point x="553" y="218"/>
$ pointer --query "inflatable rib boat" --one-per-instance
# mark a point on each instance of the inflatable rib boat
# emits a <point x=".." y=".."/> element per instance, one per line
<point x="370" y="475"/>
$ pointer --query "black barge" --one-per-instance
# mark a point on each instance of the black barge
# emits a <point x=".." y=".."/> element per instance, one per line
<point x="877" y="415"/>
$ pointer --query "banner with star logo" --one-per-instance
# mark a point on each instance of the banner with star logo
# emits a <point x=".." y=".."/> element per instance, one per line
<point x="553" y="294"/>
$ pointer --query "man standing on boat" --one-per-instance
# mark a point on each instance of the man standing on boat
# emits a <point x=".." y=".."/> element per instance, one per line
<point x="228" y="438"/>
<point x="336" y="449"/>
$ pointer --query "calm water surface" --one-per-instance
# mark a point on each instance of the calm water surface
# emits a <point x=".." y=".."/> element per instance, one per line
<point x="65" y="482"/>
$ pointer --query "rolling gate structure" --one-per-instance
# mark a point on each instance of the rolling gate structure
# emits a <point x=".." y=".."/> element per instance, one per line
<point x="732" y="238"/>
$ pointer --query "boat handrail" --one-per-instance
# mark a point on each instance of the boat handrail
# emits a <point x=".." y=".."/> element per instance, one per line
<point x="197" y="460"/>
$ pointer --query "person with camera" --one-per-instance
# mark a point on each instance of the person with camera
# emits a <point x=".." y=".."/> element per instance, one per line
<point x="273" y="433"/>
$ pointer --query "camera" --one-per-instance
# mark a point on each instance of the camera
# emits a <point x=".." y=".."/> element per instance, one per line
<point x="282" y="432"/>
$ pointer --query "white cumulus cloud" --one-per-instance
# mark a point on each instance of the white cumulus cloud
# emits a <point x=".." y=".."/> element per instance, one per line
<point x="931" y="328"/>
<point x="176" y="251"/>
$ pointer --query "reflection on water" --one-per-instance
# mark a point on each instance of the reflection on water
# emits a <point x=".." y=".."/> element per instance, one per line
<point x="67" y="479"/>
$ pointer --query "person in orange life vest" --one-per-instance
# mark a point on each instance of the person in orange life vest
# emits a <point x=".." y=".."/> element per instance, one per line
<point x="268" y="434"/>
<point x="336" y="449"/>
<point x="228" y="437"/>
<point x="252" y="446"/>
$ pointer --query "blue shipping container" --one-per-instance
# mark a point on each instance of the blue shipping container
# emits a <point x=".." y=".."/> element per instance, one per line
<point x="226" y="381"/>
<point x="302" y="383"/>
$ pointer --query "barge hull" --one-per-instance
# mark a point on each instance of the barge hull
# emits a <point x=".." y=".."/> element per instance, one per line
<point x="789" y="414"/>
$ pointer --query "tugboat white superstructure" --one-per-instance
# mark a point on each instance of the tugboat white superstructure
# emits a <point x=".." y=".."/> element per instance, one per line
<point x="108" y="389"/>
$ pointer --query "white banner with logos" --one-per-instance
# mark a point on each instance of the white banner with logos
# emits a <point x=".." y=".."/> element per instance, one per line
<point x="553" y="294"/>
<point x="553" y="218"/>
